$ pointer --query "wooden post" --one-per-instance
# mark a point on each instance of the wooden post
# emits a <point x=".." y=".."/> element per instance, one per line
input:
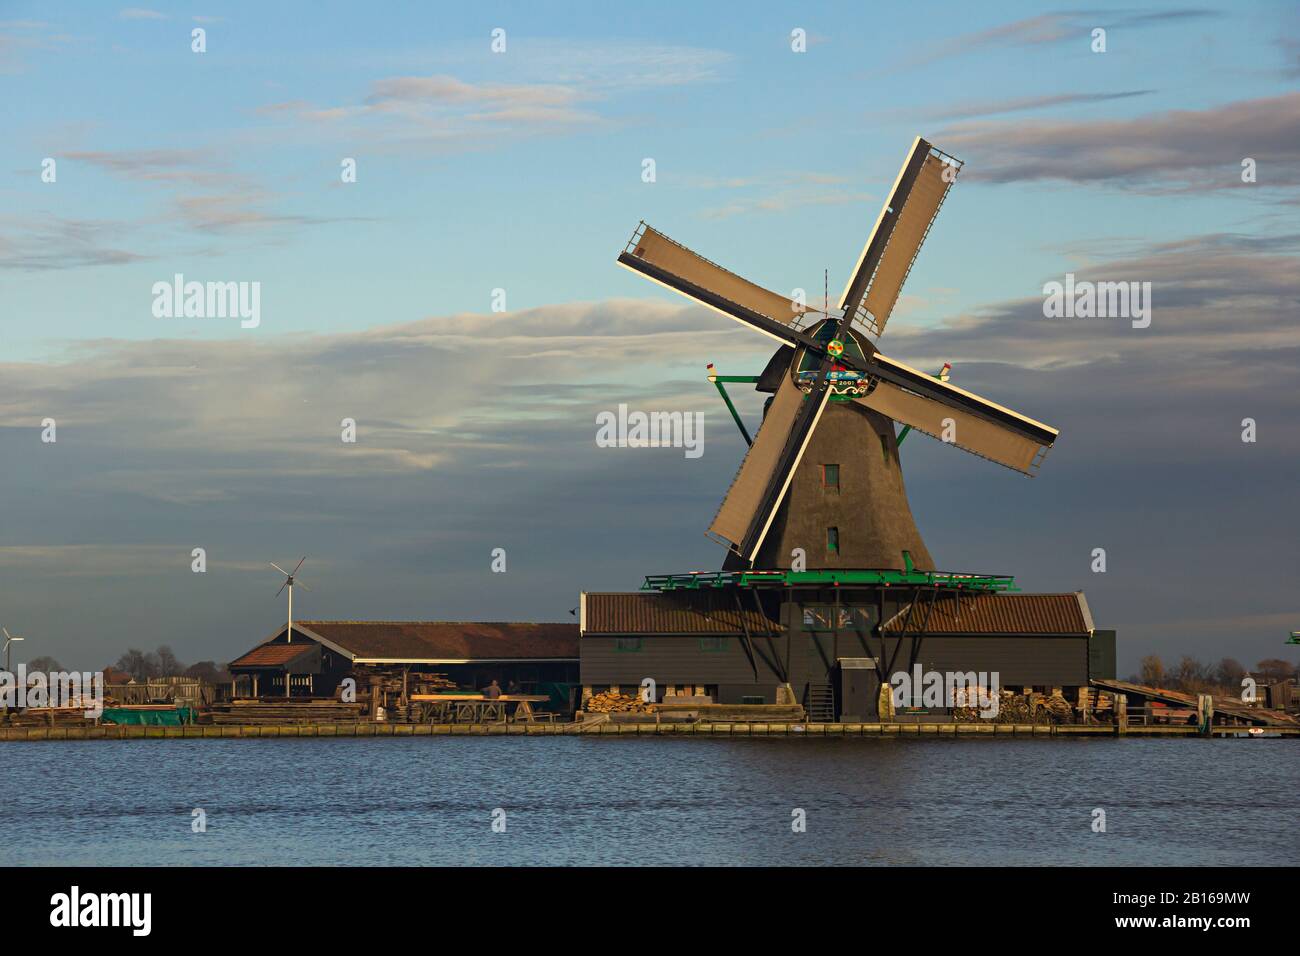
<point x="1204" y="713"/>
<point x="1121" y="714"/>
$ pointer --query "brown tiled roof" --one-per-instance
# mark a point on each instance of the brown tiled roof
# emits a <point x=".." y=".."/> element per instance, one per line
<point x="448" y="640"/>
<point x="999" y="614"/>
<point x="272" y="655"/>
<point x="677" y="612"/>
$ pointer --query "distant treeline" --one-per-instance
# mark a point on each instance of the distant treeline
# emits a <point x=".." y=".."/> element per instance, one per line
<point x="1194" y="677"/>
<point x="143" y="665"/>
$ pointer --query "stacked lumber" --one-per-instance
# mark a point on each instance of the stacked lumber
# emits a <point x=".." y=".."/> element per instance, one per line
<point x="611" y="703"/>
<point x="45" y="717"/>
<point x="1059" y="708"/>
<point x="285" y="712"/>
<point x="750" y="713"/>
<point x="428" y="683"/>
<point x="1016" y="708"/>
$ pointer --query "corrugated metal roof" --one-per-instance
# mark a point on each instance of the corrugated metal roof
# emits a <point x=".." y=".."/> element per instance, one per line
<point x="448" y="640"/>
<point x="999" y="614"/>
<point x="272" y="655"/>
<point x="675" y="612"/>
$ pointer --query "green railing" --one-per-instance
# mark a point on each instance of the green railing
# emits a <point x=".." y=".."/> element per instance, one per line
<point x="697" y="580"/>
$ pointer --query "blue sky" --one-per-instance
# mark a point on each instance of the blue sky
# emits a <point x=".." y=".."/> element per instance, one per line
<point x="522" y="170"/>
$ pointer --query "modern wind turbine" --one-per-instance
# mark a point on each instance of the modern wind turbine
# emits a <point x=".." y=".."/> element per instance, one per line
<point x="290" y="579"/>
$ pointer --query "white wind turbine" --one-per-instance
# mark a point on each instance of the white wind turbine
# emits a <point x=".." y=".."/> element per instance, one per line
<point x="290" y="580"/>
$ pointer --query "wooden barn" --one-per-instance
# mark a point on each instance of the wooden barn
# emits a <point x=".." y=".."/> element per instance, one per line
<point x="393" y="659"/>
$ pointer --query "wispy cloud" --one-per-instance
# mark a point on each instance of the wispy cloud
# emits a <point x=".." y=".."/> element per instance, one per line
<point x="141" y="13"/>
<point x="1048" y="29"/>
<point x="43" y="243"/>
<point x="1180" y="149"/>
<point x="1024" y="104"/>
<point x="544" y="87"/>
<point x="20" y="37"/>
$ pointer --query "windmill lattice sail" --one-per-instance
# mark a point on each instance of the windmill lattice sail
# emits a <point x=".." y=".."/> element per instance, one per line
<point x="896" y="238"/>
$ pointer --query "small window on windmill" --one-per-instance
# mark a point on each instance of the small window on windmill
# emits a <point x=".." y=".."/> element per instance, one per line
<point x="831" y="477"/>
<point x="833" y="540"/>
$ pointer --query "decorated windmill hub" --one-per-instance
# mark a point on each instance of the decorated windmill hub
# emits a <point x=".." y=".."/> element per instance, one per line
<point x="846" y="384"/>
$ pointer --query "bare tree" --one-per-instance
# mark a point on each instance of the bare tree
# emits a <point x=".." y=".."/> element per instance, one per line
<point x="208" y="672"/>
<point x="1228" y="674"/>
<point x="168" y="665"/>
<point x="138" y="664"/>
<point x="1192" y="676"/>
<point x="1153" y="671"/>
<point x="1275" y="669"/>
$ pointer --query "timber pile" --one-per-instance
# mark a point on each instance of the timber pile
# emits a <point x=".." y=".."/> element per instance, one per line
<point x="45" y="717"/>
<point x="609" y="703"/>
<point x="1016" y="708"/>
<point x="428" y="683"/>
<point x="285" y="712"/>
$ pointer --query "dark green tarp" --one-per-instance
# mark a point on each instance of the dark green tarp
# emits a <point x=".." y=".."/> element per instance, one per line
<point x="154" y="718"/>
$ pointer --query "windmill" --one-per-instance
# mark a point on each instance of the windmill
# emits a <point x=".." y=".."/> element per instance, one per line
<point x="835" y="397"/>
<point x="290" y="579"/>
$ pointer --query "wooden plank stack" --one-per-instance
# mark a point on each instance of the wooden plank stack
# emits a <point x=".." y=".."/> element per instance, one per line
<point x="285" y="712"/>
<point x="610" y="703"/>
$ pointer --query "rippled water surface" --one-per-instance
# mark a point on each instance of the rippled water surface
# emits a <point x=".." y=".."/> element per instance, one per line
<point x="649" y="800"/>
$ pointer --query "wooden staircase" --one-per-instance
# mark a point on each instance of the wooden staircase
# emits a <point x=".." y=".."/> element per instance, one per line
<point x="819" y="702"/>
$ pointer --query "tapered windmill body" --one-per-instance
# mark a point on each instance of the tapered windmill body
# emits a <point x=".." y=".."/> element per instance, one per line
<point x="821" y="485"/>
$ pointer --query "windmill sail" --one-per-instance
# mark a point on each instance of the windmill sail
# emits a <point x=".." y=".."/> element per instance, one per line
<point x="896" y="238"/>
<point x="671" y="264"/>
<point x="953" y="414"/>
<point x="765" y="474"/>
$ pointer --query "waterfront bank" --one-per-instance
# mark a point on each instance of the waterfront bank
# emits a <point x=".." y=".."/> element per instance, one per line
<point x="502" y="729"/>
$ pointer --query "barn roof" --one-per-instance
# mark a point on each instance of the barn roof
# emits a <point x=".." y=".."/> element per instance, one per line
<point x="706" y="612"/>
<point x="676" y="612"/>
<point x="1001" y="613"/>
<point x="445" y="641"/>
<point x="272" y="655"/>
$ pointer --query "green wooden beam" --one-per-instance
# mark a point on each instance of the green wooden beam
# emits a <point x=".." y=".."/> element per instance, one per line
<point x="717" y="380"/>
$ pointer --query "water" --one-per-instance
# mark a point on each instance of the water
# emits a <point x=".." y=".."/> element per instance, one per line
<point x="582" y="800"/>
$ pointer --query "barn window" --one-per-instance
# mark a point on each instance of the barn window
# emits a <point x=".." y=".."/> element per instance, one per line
<point x="713" y="644"/>
<point x="627" y="644"/>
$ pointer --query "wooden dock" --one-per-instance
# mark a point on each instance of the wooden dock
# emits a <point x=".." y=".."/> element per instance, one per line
<point x="609" y="728"/>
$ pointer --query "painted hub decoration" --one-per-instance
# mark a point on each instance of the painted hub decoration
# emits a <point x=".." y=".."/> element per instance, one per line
<point x="835" y="347"/>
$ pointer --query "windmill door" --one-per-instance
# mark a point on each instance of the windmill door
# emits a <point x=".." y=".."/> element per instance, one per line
<point x="859" y="689"/>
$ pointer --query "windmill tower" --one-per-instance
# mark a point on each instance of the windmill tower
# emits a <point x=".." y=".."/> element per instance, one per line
<point x="822" y="475"/>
